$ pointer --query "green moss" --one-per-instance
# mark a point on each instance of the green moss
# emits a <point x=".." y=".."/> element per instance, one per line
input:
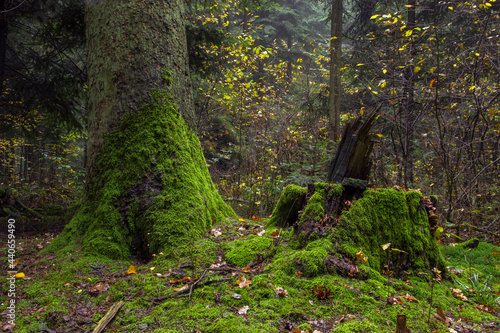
<point x="314" y="209"/>
<point x="151" y="190"/>
<point x="310" y="261"/>
<point x="244" y="250"/>
<point x="287" y="209"/>
<point x="389" y="216"/>
<point x="356" y="326"/>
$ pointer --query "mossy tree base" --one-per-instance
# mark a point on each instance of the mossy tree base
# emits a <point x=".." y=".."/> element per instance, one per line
<point x="358" y="221"/>
<point x="160" y="197"/>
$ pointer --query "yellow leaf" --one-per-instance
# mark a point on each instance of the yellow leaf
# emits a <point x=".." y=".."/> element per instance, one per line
<point x="131" y="270"/>
<point x="241" y="220"/>
<point x="374" y="17"/>
<point x="408" y="33"/>
<point x="379" y="135"/>
<point x="386" y="246"/>
<point x="417" y="69"/>
<point x="19" y="275"/>
<point x="384" y="71"/>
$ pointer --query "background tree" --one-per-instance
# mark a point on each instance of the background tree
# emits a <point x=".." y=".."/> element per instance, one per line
<point x="335" y="66"/>
<point x="148" y="187"/>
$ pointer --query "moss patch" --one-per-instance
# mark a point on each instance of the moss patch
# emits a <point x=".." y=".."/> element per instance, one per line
<point x="286" y="212"/>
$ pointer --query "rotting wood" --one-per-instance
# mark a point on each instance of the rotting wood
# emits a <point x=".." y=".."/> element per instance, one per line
<point x="108" y="317"/>
<point x="401" y="324"/>
<point x="352" y="159"/>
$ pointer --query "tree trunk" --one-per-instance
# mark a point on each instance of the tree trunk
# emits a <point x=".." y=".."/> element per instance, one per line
<point x="335" y="65"/>
<point x="148" y="187"/>
<point x="409" y="107"/>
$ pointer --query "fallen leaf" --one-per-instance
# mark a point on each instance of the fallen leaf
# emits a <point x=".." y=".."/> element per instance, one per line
<point x="99" y="287"/>
<point x="246" y="269"/>
<point x="241" y="220"/>
<point x="19" y="275"/>
<point x="242" y="282"/>
<point x="236" y="296"/>
<point x="131" y="270"/>
<point x="262" y="232"/>
<point x="181" y="288"/>
<point x="243" y="310"/>
<point x="216" y="232"/>
<point x="186" y="278"/>
<point x="275" y="234"/>
<point x="299" y="274"/>
<point x="386" y="246"/>
<point x="410" y="298"/>
<point x="280" y="292"/>
<point x="255" y="218"/>
<point x="441" y="314"/>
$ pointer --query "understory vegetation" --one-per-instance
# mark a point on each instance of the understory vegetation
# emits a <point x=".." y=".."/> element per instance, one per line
<point x="243" y="276"/>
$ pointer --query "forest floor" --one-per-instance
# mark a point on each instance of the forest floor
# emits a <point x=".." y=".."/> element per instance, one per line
<point x="198" y="288"/>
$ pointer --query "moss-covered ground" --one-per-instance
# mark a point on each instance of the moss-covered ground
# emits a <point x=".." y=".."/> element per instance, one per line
<point x="263" y="285"/>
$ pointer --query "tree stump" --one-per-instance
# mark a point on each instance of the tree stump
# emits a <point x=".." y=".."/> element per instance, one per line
<point x="352" y="159"/>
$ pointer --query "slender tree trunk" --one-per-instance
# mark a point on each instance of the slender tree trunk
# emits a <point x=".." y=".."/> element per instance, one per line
<point x="148" y="187"/>
<point x="335" y="65"/>
<point x="409" y="107"/>
<point x="3" y="43"/>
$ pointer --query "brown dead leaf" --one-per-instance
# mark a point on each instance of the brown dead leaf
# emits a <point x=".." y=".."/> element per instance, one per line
<point x="440" y="313"/>
<point x="242" y="282"/>
<point x="184" y="279"/>
<point x="99" y="287"/>
<point x="181" y="288"/>
<point x="410" y="298"/>
<point x="299" y="274"/>
<point x="484" y="308"/>
<point x="280" y="292"/>
<point x="321" y="292"/>
<point x="256" y="218"/>
<point x="246" y="269"/>
<point x="275" y="233"/>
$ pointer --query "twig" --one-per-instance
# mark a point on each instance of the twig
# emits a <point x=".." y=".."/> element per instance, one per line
<point x="184" y="291"/>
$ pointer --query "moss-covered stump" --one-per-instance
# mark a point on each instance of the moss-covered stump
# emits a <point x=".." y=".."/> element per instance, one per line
<point x="360" y="227"/>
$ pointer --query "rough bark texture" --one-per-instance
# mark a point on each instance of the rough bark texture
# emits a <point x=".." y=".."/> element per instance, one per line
<point x="148" y="187"/>
<point x="129" y="43"/>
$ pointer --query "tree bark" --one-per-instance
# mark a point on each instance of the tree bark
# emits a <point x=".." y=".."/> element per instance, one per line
<point x="409" y="106"/>
<point x="335" y="65"/>
<point x="148" y="187"/>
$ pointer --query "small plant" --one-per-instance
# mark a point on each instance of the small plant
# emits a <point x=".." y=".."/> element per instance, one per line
<point x="479" y="290"/>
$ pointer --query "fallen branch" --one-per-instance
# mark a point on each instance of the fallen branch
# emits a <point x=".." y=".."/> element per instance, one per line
<point x="108" y="317"/>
